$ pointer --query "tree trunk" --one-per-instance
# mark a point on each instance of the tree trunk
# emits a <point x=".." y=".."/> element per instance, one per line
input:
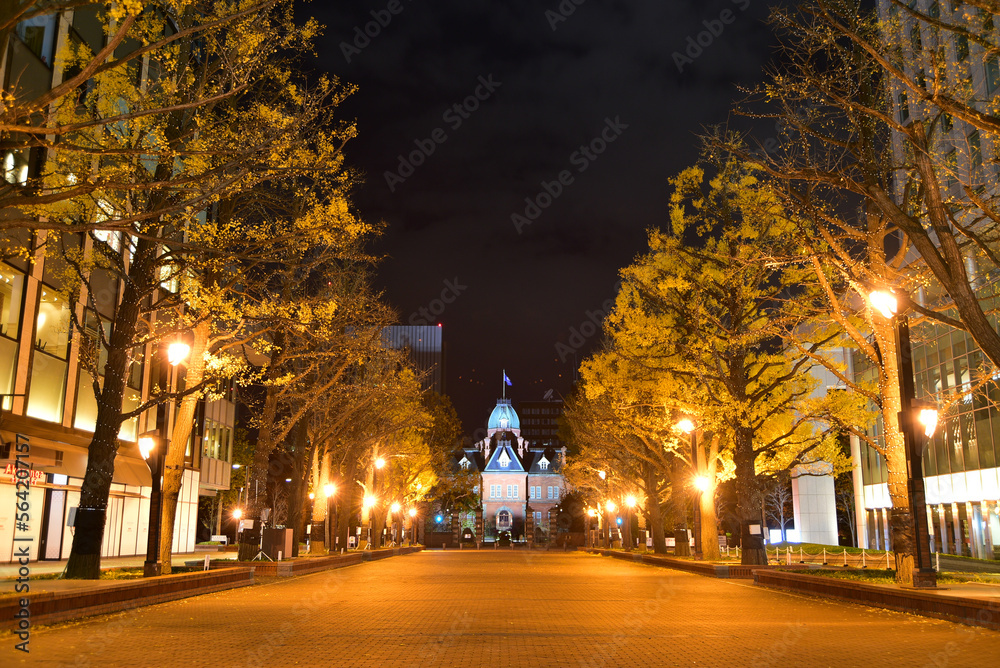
<point x="900" y="519"/>
<point x="85" y="554"/>
<point x="318" y="538"/>
<point x="653" y="508"/>
<point x="173" y="470"/>
<point x="345" y="502"/>
<point x="748" y="500"/>
<point x="257" y="481"/>
<point x="299" y="486"/>
<point x="709" y="526"/>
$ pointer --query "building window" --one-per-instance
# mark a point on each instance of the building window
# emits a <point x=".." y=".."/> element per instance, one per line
<point x="517" y="492"/>
<point x="915" y="42"/>
<point x="975" y="150"/>
<point x="962" y="48"/>
<point x="39" y="35"/>
<point x="15" y="167"/>
<point x="544" y="464"/>
<point x="951" y="167"/>
<point x="992" y="67"/>
<point x="48" y="363"/>
<point x="11" y="302"/>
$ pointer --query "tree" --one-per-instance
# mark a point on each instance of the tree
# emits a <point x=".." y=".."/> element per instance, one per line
<point x="610" y="435"/>
<point x="778" y="502"/>
<point x="708" y="306"/>
<point x="260" y="126"/>
<point x="866" y="109"/>
<point x="844" y="491"/>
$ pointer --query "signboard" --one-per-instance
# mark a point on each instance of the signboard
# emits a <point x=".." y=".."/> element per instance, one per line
<point x="35" y="477"/>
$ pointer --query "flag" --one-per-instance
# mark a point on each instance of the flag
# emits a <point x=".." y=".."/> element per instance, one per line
<point x="507" y="380"/>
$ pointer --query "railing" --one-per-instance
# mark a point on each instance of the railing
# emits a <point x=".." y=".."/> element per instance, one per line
<point x="792" y="556"/>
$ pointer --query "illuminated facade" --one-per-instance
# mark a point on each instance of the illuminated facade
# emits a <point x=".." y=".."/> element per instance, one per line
<point x="517" y="477"/>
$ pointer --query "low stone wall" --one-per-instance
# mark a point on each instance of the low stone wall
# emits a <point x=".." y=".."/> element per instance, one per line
<point x="712" y="570"/>
<point x="303" y="565"/>
<point x="970" y="611"/>
<point x="51" y="607"/>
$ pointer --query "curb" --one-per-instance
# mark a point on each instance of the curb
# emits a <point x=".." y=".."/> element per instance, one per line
<point x="970" y="611"/>
<point x="52" y="607"/>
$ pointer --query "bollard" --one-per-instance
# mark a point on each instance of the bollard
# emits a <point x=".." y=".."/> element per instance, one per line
<point x="863" y="564"/>
<point x="845" y="557"/>
<point x="824" y="556"/>
<point x="937" y="562"/>
<point x="802" y="557"/>
<point x="788" y="556"/>
<point x="208" y="561"/>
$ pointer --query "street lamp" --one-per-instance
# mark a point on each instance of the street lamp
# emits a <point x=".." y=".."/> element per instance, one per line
<point x="154" y="457"/>
<point x="924" y="575"/>
<point x="177" y="352"/>
<point x="412" y="512"/>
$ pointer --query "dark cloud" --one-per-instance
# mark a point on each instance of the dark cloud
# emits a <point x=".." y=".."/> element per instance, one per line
<point x="451" y="218"/>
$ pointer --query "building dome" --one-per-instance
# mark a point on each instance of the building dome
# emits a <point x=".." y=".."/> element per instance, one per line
<point x="503" y="418"/>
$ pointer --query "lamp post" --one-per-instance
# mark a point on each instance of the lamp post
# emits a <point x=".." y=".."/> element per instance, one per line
<point x="154" y="457"/>
<point x="412" y="512"/>
<point x="924" y="575"/>
<point x="604" y="477"/>
<point x="152" y="447"/>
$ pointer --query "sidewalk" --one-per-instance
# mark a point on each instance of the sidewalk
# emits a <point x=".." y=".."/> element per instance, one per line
<point x="8" y="571"/>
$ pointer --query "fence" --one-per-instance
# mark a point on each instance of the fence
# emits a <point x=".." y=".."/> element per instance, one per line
<point x="791" y="556"/>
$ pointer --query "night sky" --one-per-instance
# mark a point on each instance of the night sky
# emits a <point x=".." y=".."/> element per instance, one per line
<point x="586" y="108"/>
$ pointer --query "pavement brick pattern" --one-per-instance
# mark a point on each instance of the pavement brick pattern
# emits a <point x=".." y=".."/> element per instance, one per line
<point x="503" y="609"/>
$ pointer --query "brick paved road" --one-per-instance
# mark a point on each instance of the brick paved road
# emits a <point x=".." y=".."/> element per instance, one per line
<point x="502" y="609"/>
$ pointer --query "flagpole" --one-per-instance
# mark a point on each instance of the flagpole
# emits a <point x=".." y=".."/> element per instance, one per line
<point x="503" y="384"/>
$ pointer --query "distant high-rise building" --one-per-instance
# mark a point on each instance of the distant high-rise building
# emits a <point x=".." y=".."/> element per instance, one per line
<point x="540" y="422"/>
<point x="424" y="346"/>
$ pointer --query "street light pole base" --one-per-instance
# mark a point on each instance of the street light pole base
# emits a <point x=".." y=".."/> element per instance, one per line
<point x="151" y="569"/>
